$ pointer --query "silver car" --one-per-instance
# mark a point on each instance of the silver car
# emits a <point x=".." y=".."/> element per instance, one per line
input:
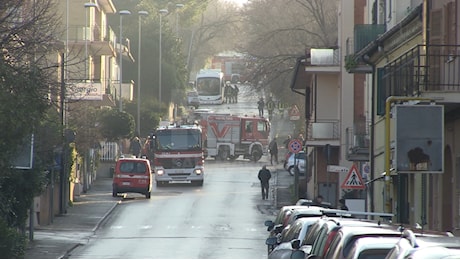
<point x="295" y="162"/>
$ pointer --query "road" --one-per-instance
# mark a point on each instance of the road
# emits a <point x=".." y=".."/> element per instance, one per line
<point x="222" y="219"/>
<point x="219" y="220"/>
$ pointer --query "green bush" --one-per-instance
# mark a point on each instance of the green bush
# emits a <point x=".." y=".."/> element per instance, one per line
<point x="12" y="243"/>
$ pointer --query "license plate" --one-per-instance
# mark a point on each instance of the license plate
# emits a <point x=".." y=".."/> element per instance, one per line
<point x="126" y="183"/>
<point x="179" y="182"/>
<point x="142" y="182"/>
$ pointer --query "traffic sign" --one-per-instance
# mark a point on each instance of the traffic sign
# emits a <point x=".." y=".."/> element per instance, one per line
<point x="294" y="113"/>
<point x="353" y="180"/>
<point x="295" y="146"/>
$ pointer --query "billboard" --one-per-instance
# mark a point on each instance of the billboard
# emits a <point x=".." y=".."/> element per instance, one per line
<point x="419" y="144"/>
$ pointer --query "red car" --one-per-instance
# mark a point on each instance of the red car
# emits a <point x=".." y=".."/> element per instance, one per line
<point x="132" y="175"/>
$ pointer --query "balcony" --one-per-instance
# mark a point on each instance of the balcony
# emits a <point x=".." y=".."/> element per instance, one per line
<point x="100" y="42"/>
<point x="425" y="70"/>
<point x="363" y="35"/>
<point x="323" y="132"/>
<point x="357" y="145"/>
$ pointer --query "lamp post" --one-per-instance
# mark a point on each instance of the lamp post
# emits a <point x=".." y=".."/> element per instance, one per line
<point x="122" y="13"/>
<point x="140" y="13"/>
<point x="162" y="11"/>
<point x="178" y="6"/>
<point x="87" y="6"/>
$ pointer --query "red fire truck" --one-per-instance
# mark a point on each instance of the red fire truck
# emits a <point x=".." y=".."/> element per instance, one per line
<point x="228" y="136"/>
<point x="178" y="154"/>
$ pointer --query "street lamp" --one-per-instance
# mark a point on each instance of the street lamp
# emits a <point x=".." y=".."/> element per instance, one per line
<point x="178" y="6"/>
<point x="122" y="13"/>
<point x="87" y="6"/>
<point x="162" y="11"/>
<point x="140" y="13"/>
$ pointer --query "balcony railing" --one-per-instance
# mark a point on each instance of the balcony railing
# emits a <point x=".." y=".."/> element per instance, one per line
<point x="324" y="130"/>
<point x="363" y="35"/>
<point x="357" y="143"/>
<point x="366" y="33"/>
<point x="425" y="68"/>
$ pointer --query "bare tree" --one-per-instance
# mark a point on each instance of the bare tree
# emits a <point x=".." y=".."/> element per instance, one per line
<point x="278" y="32"/>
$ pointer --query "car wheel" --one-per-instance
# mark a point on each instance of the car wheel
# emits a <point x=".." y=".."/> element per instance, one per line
<point x="233" y="157"/>
<point x="148" y="195"/>
<point x="224" y="153"/>
<point x="292" y="170"/>
<point x="114" y="193"/>
<point x="256" y="155"/>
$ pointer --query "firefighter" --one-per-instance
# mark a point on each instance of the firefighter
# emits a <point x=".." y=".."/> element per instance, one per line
<point x="270" y="108"/>
<point x="281" y="107"/>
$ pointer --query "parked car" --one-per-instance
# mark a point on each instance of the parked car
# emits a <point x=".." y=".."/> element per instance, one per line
<point x="411" y="241"/>
<point x="295" y="162"/>
<point x="327" y="230"/>
<point x="132" y="175"/>
<point x="346" y="236"/>
<point x="295" y="231"/>
<point x="282" y="220"/>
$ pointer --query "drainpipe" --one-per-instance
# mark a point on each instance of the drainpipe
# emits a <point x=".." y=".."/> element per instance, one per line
<point x="366" y="60"/>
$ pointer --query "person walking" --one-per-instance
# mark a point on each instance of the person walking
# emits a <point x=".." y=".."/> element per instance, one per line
<point x="287" y="141"/>
<point x="273" y="147"/>
<point x="264" y="178"/>
<point x="260" y="106"/>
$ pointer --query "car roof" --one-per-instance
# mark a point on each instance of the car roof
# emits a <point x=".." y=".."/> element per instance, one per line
<point x="346" y="234"/>
<point x="132" y="160"/>
<point x="433" y="252"/>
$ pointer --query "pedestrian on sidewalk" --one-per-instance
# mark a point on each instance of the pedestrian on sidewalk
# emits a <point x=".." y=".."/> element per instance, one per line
<point x="287" y="141"/>
<point x="273" y="147"/>
<point x="264" y="178"/>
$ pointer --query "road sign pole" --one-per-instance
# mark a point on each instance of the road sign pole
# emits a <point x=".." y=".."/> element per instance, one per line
<point x="296" y="179"/>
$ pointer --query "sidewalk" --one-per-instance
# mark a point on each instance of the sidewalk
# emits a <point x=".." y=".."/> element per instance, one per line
<point x="70" y="230"/>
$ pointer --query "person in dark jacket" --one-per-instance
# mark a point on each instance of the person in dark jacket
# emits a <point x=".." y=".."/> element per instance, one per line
<point x="273" y="147"/>
<point x="264" y="177"/>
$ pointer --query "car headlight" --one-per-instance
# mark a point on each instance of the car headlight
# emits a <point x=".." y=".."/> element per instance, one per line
<point x="198" y="171"/>
<point x="160" y="171"/>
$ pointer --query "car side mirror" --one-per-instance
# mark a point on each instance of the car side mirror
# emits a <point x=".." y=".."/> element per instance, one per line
<point x="271" y="241"/>
<point x="295" y="244"/>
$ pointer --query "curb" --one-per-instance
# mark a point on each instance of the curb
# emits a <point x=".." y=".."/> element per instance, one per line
<point x="105" y="216"/>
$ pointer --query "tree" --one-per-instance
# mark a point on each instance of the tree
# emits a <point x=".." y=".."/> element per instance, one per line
<point x="272" y="47"/>
<point x="116" y="125"/>
<point x="27" y="30"/>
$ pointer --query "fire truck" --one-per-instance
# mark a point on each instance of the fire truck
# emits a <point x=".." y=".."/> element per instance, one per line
<point x="229" y="136"/>
<point x="178" y="154"/>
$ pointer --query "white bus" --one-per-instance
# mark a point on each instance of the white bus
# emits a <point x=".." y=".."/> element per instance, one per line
<point x="210" y="86"/>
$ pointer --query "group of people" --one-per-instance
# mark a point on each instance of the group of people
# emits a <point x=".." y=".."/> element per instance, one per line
<point x="270" y="105"/>
<point x="231" y="93"/>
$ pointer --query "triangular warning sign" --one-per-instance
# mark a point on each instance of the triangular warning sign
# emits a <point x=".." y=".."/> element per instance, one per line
<point x="353" y="180"/>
